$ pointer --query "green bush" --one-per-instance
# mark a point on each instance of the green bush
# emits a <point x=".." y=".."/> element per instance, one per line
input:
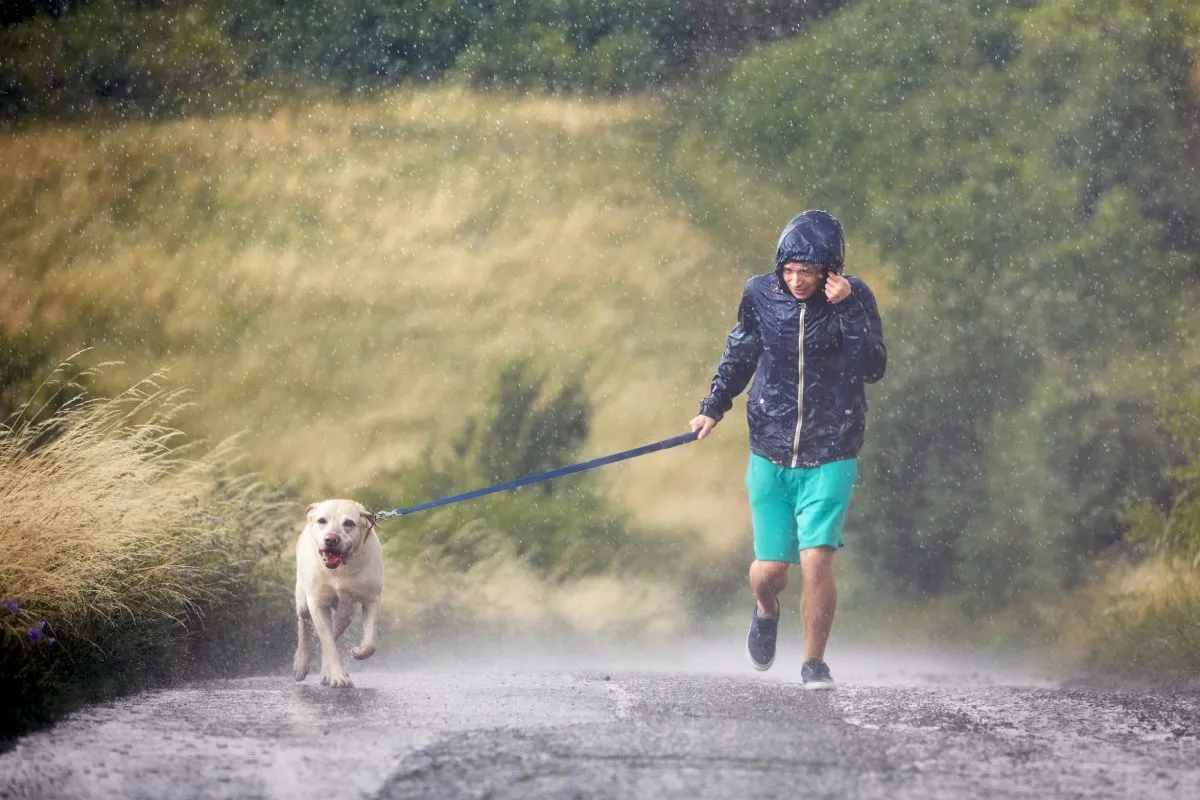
<point x="624" y="62"/>
<point x="563" y="528"/>
<point x="534" y="57"/>
<point x="544" y="57"/>
<point x="1172" y="525"/>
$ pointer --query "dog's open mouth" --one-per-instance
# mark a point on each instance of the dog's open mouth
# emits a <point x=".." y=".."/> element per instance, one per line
<point x="332" y="559"/>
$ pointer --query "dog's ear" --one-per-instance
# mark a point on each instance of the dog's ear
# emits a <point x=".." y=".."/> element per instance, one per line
<point x="308" y="511"/>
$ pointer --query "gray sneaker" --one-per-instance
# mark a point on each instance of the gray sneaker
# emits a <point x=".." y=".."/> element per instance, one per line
<point x="760" y="640"/>
<point x="815" y="674"/>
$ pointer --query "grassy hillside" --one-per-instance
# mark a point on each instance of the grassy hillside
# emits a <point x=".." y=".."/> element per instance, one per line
<point x="343" y="281"/>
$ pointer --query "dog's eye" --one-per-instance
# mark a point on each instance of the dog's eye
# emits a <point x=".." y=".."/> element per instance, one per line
<point x="322" y="521"/>
<point x="348" y="523"/>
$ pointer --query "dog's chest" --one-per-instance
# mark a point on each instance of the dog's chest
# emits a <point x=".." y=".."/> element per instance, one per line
<point x="351" y="581"/>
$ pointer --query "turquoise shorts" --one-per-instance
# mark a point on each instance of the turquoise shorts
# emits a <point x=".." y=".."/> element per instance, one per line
<point x="795" y="509"/>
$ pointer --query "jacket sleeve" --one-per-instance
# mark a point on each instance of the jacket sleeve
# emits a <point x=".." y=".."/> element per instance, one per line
<point x="742" y="349"/>
<point x="862" y="332"/>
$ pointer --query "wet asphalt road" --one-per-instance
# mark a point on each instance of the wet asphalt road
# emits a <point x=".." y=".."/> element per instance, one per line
<point x="695" y="722"/>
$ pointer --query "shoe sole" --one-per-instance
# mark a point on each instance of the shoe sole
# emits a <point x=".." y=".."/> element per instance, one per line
<point x="750" y="658"/>
<point x="819" y="686"/>
<point x="756" y="665"/>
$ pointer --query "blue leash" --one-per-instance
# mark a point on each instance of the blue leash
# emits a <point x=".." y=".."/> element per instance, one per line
<point x="674" y="441"/>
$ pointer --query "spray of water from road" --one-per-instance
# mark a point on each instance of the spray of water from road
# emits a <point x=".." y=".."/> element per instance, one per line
<point x="716" y="653"/>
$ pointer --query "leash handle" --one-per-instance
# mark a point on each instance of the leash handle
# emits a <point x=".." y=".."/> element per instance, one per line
<point x="674" y="441"/>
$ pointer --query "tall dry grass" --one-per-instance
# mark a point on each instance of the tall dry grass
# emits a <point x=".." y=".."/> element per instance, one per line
<point x="108" y="515"/>
<point x="1136" y="619"/>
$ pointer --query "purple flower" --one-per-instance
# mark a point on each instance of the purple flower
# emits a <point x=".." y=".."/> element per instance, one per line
<point x="12" y="606"/>
<point x="37" y="632"/>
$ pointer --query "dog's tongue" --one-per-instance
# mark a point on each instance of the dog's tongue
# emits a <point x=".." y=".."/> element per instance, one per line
<point x="331" y="559"/>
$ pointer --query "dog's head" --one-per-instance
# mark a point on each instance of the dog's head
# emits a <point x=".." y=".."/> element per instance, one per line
<point x="336" y="528"/>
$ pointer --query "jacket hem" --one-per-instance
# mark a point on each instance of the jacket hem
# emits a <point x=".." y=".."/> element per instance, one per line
<point x="802" y="462"/>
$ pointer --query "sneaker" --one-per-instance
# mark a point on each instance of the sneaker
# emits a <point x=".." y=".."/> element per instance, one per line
<point x="815" y="674"/>
<point x="760" y="640"/>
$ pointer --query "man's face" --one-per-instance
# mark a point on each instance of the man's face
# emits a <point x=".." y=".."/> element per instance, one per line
<point x="803" y="279"/>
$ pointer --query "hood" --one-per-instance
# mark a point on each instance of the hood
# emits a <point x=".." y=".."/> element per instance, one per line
<point x="813" y="237"/>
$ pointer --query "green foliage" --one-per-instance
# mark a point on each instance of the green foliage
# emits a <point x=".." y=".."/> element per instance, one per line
<point x="180" y="56"/>
<point x="556" y="45"/>
<point x="562" y="528"/>
<point x="1115" y="80"/>
<point x="519" y="438"/>
<point x="1173" y="523"/>
<point x="21" y="361"/>
<point x="1111" y="457"/>
<point x="157" y="60"/>
<point x="533" y="56"/>
<point x="1020" y="165"/>
<point x="541" y="56"/>
<point x="354" y="41"/>
<point x="623" y="62"/>
<point x="13" y="12"/>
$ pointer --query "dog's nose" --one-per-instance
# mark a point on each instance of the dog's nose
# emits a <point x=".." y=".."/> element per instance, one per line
<point x="331" y="540"/>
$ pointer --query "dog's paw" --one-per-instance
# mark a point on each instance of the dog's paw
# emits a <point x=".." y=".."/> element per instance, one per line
<point x="336" y="679"/>
<point x="300" y="666"/>
<point x="363" y="651"/>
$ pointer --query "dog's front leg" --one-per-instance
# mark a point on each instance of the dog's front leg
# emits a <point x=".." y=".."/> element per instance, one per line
<point x="370" y="613"/>
<point x="303" y="626"/>
<point x="300" y="662"/>
<point x="332" y="672"/>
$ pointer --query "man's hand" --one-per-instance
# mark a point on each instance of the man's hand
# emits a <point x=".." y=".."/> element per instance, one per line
<point x="837" y="288"/>
<point x="702" y="423"/>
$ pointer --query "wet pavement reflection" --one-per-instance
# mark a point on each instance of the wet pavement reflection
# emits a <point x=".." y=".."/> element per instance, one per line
<point x="690" y="722"/>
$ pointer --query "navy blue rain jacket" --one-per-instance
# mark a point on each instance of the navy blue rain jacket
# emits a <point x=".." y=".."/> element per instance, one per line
<point x="810" y="359"/>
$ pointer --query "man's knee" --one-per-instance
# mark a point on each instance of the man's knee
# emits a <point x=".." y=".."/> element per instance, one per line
<point x="769" y="570"/>
<point x="816" y="563"/>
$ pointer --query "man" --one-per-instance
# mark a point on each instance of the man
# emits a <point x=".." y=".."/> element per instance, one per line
<point x="812" y="338"/>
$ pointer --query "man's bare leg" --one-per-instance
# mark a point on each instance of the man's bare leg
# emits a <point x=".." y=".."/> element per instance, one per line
<point x="818" y="599"/>
<point x="768" y="579"/>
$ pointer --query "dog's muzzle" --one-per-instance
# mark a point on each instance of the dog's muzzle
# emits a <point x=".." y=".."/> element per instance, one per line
<point x="332" y="558"/>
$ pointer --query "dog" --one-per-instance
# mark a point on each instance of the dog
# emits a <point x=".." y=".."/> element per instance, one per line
<point x="339" y="564"/>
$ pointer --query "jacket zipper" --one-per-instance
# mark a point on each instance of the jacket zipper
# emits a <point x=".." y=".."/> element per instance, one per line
<point x="799" y="394"/>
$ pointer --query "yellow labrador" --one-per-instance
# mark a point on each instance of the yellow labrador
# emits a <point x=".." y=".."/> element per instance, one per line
<point x="339" y="564"/>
